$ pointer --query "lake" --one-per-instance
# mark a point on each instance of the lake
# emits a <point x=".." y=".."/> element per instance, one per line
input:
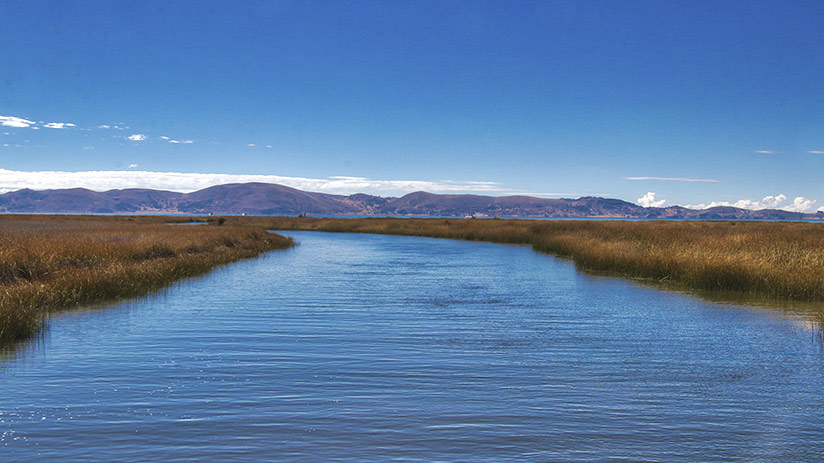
<point x="387" y="348"/>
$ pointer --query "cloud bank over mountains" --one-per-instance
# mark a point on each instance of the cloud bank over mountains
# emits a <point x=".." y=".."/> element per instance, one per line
<point x="780" y="201"/>
<point x="648" y="200"/>
<point x="185" y="182"/>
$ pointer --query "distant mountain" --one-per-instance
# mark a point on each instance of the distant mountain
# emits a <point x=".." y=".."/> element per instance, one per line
<point x="271" y="199"/>
<point x="85" y="201"/>
<point x="263" y="198"/>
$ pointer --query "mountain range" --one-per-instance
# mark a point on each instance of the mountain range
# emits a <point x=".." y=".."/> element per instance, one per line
<point x="272" y="199"/>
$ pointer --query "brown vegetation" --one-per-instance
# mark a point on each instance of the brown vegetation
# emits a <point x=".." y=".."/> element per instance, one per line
<point x="56" y="262"/>
<point x="782" y="260"/>
<point x="53" y="262"/>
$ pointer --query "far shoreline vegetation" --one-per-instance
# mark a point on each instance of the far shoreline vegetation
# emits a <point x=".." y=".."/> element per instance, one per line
<point x="56" y="262"/>
<point x="781" y="261"/>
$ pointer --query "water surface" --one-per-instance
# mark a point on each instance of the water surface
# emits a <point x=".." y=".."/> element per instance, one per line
<point x="384" y="348"/>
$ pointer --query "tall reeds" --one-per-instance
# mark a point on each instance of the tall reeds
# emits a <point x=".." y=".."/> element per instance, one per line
<point x="57" y="262"/>
<point x="781" y="260"/>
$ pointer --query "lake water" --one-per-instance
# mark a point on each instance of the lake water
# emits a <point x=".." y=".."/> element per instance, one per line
<point x="383" y="348"/>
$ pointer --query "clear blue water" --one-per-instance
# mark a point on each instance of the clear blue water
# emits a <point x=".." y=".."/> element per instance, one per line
<point x="382" y="348"/>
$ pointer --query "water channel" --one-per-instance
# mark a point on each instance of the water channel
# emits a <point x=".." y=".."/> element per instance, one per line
<point x="386" y="348"/>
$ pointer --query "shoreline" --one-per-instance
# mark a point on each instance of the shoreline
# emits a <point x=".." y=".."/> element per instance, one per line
<point x="59" y="262"/>
<point x="771" y="260"/>
<point x="50" y="263"/>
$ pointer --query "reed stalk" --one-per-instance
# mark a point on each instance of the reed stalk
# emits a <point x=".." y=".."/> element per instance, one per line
<point x="52" y="263"/>
<point x="777" y="260"/>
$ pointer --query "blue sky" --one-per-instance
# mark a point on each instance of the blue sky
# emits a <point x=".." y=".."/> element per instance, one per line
<point x="698" y="102"/>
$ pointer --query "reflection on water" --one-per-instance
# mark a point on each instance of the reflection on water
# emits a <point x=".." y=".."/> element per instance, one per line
<point x="807" y="316"/>
<point x="376" y="348"/>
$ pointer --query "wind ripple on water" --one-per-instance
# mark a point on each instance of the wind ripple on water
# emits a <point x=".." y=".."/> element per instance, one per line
<point x="376" y="348"/>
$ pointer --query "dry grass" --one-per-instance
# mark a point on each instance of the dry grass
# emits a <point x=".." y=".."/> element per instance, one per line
<point x="780" y="260"/>
<point x="56" y="262"/>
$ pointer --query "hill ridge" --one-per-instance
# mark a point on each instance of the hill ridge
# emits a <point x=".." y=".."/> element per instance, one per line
<point x="274" y="199"/>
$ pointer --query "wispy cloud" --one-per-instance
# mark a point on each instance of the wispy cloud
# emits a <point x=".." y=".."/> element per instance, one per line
<point x="648" y="200"/>
<point x="19" y="122"/>
<point x="816" y="152"/>
<point x="186" y="182"/>
<point x="22" y="123"/>
<point x="59" y="125"/>
<point x="780" y="201"/>
<point x="764" y="152"/>
<point x="674" y="179"/>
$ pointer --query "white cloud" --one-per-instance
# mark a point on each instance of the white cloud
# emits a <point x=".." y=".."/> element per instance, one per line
<point x="816" y="152"/>
<point x="648" y="200"/>
<point x="137" y="137"/>
<point x="764" y="152"/>
<point x="132" y="166"/>
<point x="674" y="179"/>
<point x="801" y="204"/>
<point x="19" y="122"/>
<point x="59" y="125"/>
<point x="269" y="146"/>
<point x="798" y="204"/>
<point x="250" y="144"/>
<point x="163" y="137"/>
<point x="186" y="182"/>
<point x="772" y="201"/>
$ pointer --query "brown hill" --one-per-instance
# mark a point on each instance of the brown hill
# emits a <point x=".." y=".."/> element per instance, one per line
<point x="81" y="200"/>
<point x="271" y="199"/>
<point x="263" y="198"/>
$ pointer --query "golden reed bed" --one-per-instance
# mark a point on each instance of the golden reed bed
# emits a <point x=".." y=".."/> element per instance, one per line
<point x="56" y="262"/>
<point x="779" y="260"/>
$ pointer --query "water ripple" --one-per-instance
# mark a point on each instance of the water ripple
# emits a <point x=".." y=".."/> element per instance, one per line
<point x="375" y="348"/>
